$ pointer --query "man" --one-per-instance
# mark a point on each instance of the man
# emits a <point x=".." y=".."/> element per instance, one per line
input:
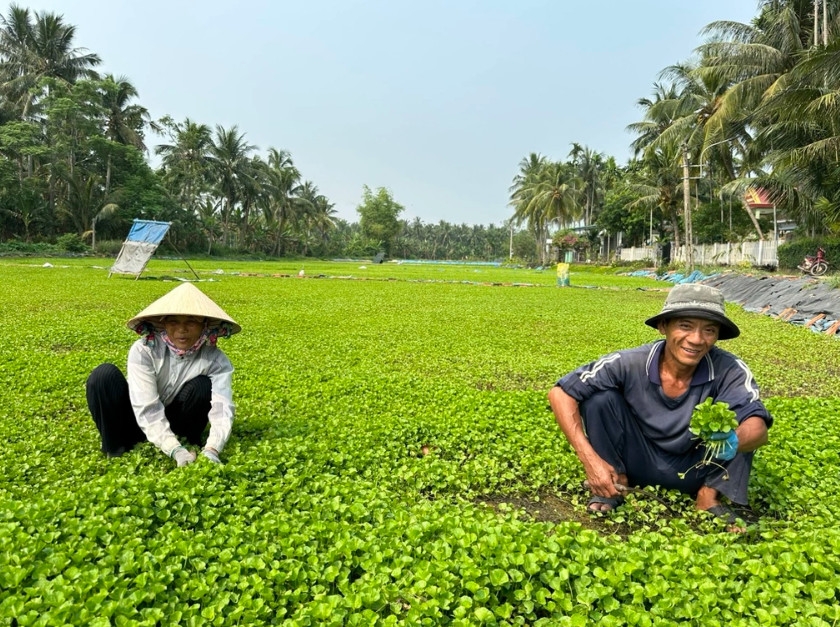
<point x="627" y="414"/>
<point x="178" y="381"/>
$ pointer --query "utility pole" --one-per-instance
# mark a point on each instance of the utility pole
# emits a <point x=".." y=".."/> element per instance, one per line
<point x="511" y="238"/>
<point x="689" y="246"/>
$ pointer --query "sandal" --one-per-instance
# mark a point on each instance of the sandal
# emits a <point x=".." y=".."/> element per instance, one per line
<point x="724" y="513"/>
<point x="611" y="501"/>
<point x="734" y="522"/>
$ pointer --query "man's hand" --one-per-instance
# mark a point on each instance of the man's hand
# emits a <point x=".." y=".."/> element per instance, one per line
<point x="182" y="456"/>
<point x="211" y="454"/>
<point x="601" y="478"/>
<point x="726" y="443"/>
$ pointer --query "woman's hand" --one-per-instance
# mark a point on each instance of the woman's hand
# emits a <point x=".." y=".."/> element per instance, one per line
<point x="211" y="454"/>
<point x="182" y="456"/>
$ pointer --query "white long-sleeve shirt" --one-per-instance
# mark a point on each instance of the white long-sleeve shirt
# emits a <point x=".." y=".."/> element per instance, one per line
<point x="155" y="376"/>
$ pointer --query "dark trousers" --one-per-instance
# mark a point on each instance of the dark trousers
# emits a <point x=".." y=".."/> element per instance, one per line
<point x="614" y="432"/>
<point x="109" y="404"/>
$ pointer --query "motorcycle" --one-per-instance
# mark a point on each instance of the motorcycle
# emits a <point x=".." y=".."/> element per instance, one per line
<point x="815" y="265"/>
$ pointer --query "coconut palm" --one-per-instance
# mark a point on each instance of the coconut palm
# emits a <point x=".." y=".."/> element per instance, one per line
<point x="784" y="87"/>
<point x="659" y="113"/>
<point x="231" y="168"/>
<point x="801" y="122"/>
<point x="658" y="185"/>
<point x="186" y="162"/>
<point x="125" y="122"/>
<point x="589" y="166"/>
<point x="754" y="59"/>
<point x="208" y="219"/>
<point x="522" y="199"/>
<point x="542" y="194"/>
<point x="34" y="46"/>
<point x="285" y="205"/>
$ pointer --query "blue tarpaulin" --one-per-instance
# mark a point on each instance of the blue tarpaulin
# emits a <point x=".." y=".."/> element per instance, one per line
<point x="148" y="231"/>
<point x="139" y="246"/>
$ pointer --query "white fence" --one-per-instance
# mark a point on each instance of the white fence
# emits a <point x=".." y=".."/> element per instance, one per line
<point x="760" y="253"/>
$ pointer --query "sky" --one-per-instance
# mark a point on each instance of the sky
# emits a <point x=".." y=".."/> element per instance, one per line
<point x="436" y="101"/>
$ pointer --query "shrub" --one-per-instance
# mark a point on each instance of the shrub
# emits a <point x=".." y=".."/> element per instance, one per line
<point x="791" y="255"/>
<point x="72" y="243"/>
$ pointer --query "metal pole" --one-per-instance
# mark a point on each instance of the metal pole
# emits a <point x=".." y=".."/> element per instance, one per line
<point x="511" y="239"/>
<point x="651" y="227"/>
<point x="689" y="248"/>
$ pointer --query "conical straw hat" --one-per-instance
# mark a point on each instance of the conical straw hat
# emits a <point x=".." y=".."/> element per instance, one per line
<point x="184" y="300"/>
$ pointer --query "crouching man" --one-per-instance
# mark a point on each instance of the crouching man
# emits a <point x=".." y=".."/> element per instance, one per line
<point x="627" y="414"/>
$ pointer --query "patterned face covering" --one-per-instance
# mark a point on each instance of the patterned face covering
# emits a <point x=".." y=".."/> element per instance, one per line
<point x="189" y="351"/>
<point x="210" y="335"/>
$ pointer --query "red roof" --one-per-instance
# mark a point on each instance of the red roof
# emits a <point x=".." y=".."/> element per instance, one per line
<point x="758" y="198"/>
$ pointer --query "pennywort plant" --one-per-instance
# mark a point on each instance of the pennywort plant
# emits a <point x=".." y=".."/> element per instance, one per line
<point x="375" y="421"/>
<point x="708" y="419"/>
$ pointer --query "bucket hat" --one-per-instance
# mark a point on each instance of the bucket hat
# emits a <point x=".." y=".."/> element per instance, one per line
<point x="184" y="300"/>
<point x="693" y="300"/>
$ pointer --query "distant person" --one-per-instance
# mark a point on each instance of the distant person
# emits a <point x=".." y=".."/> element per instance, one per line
<point x="666" y="253"/>
<point x="177" y="381"/>
<point x="627" y="414"/>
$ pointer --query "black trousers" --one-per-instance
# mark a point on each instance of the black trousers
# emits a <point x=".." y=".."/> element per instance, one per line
<point x="110" y="406"/>
<point x="613" y="430"/>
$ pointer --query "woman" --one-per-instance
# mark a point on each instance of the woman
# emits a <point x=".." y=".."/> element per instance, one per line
<point x="178" y="381"/>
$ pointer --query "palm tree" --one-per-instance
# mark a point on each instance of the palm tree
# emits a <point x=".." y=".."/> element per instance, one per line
<point x="753" y="60"/>
<point x="659" y="113"/>
<point x="231" y="168"/>
<point x="801" y="122"/>
<point x="209" y="221"/>
<point x="87" y="202"/>
<point x="34" y="46"/>
<point x="680" y="122"/>
<point x="286" y="205"/>
<point x="255" y="193"/>
<point x="589" y="166"/>
<point x="778" y="90"/>
<point x="186" y="162"/>
<point x="125" y="122"/>
<point x="522" y="193"/>
<point x="543" y="193"/>
<point x="319" y="215"/>
<point x="658" y="185"/>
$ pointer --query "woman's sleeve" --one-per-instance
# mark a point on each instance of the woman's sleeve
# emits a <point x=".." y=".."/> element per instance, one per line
<point x="221" y="402"/>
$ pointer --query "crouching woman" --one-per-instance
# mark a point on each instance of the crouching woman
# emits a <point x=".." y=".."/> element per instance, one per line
<point x="177" y="381"/>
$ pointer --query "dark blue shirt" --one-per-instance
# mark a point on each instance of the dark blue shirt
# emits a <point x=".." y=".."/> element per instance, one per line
<point x="664" y="420"/>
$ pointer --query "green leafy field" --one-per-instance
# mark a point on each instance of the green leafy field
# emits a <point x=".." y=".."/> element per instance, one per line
<point x="393" y="461"/>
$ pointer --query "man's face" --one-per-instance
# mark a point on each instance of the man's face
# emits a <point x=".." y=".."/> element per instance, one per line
<point x="183" y="331"/>
<point x="688" y="340"/>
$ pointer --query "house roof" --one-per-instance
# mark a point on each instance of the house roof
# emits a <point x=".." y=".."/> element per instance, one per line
<point x="758" y="198"/>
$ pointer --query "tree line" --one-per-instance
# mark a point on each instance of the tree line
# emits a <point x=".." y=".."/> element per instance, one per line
<point x="754" y="106"/>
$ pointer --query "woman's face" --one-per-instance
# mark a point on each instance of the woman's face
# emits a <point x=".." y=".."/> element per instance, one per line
<point x="183" y="331"/>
